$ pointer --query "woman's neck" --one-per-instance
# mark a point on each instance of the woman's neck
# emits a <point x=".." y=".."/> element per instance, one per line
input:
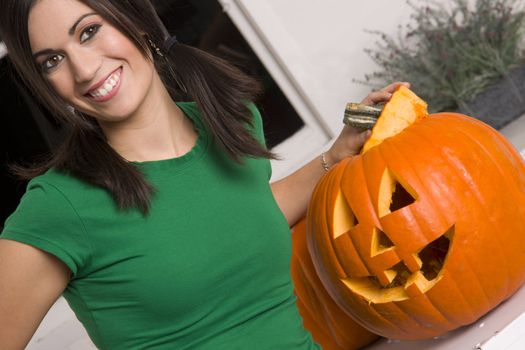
<point x="157" y="130"/>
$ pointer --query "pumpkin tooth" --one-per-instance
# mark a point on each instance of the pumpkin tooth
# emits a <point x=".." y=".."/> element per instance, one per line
<point x="387" y="277"/>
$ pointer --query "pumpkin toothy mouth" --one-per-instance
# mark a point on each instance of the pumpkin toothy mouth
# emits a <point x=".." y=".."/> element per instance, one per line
<point x="392" y="274"/>
<point x="405" y="284"/>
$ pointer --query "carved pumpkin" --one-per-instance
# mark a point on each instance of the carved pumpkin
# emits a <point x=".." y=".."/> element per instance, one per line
<point x="425" y="230"/>
<point x="329" y="325"/>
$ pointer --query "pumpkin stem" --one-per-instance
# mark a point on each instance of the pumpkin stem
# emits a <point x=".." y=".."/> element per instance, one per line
<point x="361" y="116"/>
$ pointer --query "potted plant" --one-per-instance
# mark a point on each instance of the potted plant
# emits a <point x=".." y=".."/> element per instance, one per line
<point x="465" y="56"/>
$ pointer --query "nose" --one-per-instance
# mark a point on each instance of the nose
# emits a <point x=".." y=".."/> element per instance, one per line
<point x="84" y="63"/>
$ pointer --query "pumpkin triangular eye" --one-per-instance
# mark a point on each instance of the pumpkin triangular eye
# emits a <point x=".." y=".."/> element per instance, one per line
<point x="393" y="195"/>
<point x="400" y="198"/>
<point x="344" y="219"/>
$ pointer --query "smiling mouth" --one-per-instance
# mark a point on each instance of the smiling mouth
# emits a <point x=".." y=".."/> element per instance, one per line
<point x="107" y="89"/>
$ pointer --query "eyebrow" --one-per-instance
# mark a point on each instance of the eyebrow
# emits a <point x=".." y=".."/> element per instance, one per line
<point x="74" y="26"/>
<point x="70" y="32"/>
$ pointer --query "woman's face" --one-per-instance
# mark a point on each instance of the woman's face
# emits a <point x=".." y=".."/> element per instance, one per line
<point x="89" y="63"/>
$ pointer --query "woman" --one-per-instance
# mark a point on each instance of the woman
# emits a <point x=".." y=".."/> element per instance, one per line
<point x="155" y="219"/>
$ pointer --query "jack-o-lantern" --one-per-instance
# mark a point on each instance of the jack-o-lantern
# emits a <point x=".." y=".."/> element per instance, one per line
<point x="329" y="325"/>
<point x="425" y="230"/>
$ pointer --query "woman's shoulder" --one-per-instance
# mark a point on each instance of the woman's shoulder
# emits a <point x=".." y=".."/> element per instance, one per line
<point x="45" y="203"/>
<point x="59" y="179"/>
<point x="61" y="186"/>
<point x="47" y="218"/>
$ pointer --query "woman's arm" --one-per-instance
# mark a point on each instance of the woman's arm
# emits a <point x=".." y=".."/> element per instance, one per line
<point x="30" y="282"/>
<point x="293" y="192"/>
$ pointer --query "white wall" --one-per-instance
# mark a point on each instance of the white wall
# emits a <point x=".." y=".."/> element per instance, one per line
<point x="315" y="49"/>
<point x="322" y="43"/>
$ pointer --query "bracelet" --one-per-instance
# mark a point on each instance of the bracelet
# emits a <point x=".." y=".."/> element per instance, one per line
<point x="323" y="162"/>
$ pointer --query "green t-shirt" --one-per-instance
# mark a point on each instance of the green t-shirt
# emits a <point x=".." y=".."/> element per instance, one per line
<point x="208" y="268"/>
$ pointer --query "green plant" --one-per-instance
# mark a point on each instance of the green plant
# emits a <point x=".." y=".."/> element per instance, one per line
<point x="450" y="53"/>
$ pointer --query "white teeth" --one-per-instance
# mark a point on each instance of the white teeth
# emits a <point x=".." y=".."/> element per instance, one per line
<point x="108" y="85"/>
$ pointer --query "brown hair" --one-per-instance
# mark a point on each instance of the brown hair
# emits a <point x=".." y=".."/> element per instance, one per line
<point x="220" y="91"/>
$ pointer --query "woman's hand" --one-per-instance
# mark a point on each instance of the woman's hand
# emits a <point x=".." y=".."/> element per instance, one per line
<point x="350" y="140"/>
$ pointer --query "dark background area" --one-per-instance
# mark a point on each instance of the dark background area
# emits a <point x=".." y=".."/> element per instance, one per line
<point x="28" y="130"/>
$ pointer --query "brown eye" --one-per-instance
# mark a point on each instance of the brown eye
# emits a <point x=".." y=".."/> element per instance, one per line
<point x="51" y="62"/>
<point x="89" y="32"/>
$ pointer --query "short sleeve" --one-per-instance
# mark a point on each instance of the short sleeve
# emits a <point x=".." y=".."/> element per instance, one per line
<point x="258" y="130"/>
<point x="258" y="133"/>
<point x="46" y="220"/>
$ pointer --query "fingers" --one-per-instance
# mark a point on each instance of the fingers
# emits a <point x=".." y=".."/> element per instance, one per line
<point x="360" y="140"/>
<point x="383" y="95"/>
<point x="364" y="136"/>
<point x="356" y="134"/>
<point x="349" y="143"/>
<point x="392" y="87"/>
<point x="380" y="96"/>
